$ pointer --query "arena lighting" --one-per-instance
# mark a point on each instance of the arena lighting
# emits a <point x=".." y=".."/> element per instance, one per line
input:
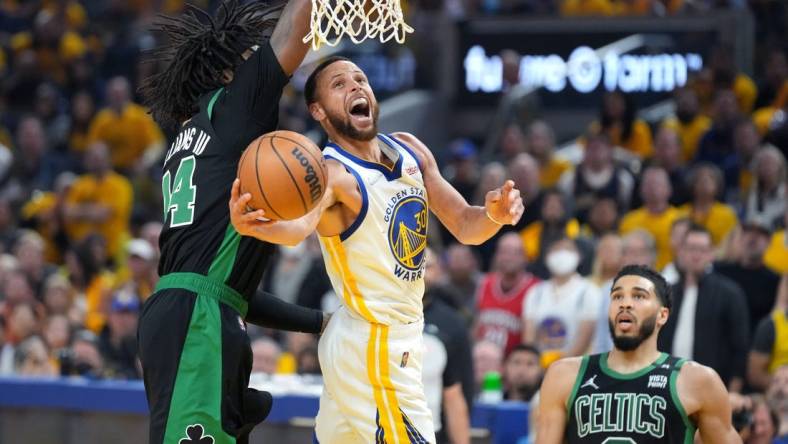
<point x="586" y="69"/>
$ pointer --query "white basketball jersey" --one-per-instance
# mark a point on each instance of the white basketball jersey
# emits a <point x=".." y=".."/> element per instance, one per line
<point x="376" y="266"/>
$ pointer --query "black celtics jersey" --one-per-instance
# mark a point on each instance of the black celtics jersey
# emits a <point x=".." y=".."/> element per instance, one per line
<point x="199" y="169"/>
<point x="607" y="407"/>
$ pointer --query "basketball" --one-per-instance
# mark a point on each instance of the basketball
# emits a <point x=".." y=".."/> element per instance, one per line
<point x="285" y="173"/>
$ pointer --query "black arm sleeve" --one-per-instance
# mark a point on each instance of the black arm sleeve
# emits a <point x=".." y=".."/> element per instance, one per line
<point x="269" y="311"/>
<point x="249" y="104"/>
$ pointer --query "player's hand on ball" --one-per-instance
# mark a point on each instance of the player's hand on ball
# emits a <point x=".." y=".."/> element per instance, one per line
<point x="245" y="221"/>
<point x="504" y="205"/>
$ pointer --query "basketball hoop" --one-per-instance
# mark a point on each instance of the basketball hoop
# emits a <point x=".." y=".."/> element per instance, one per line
<point x="358" y="20"/>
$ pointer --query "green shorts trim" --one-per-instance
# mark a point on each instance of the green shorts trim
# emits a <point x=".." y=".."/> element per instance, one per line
<point x="205" y="286"/>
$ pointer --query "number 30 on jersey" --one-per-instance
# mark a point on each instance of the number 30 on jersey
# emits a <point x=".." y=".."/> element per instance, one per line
<point x="179" y="196"/>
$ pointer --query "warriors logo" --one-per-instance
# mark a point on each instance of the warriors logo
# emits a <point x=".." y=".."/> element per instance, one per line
<point x="551" y="333"/>
<point x="408" y="236"/>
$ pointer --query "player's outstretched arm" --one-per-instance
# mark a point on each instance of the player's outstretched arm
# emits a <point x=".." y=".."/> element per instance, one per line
<point x="291" y="232"/>
<point x="551" y="418"/>
<point x="267" y="310"/>
<point x="287" y="38"/>
<point x="705" y="398"/>
<point x="471" y="225"/>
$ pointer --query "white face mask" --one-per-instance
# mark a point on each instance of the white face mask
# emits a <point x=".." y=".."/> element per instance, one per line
<point x="562" y="262"/>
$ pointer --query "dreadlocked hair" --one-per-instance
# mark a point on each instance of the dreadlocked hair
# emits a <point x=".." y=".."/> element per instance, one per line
<point x="199" y="49"/>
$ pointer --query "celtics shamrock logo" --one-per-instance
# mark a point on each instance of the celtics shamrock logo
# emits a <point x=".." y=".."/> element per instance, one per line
<point x="195" y="435"/>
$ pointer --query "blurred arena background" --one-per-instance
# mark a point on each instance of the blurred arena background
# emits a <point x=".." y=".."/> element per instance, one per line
<point x="573" y="99"/>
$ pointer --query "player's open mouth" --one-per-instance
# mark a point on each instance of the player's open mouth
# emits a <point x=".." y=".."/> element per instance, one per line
<point x="360" y="110"/>
<point x="625" y="321"/>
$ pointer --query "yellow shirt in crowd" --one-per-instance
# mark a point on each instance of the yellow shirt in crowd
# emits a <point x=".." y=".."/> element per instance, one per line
<point x="746" y="92"/>
<point x="123" y="276"/>
<point x="550" y="174"/>
<point x="690" y="134"/>
<point x="42" y="204"/>
<point x="720" y="220"/>
<point x="780" y="348"/>
<point x="78" y="141"/>
<point x="639" y="141"/>
<point x="587" y="7"/>
<point x="75" y="14"/>
<point x="776" y="256"/>
<point x="743" y="88"/>
<point x="532" y="237"/>
<point x="97" y="296"/>
<point x="287" y="364"/>
<point x="128" y="135"/>
<point x="763" y="117"/>
<point x="608" y="7"/>
<point x="745" y="182"/>
<point x="658" y="225"/>
<point x="114" y="191"/>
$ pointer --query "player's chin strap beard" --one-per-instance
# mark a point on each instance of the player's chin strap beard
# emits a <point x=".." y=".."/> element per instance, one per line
<point x="629" y="343"/>
<point x="344" y="127"/>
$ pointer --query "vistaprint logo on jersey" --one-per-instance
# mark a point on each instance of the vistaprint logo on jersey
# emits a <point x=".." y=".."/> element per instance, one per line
<point x="657" y="381"/>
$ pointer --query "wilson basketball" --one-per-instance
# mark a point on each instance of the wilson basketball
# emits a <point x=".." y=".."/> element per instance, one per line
<point x="285" y="173"/>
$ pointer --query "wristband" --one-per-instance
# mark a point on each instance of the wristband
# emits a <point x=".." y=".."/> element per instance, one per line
<point x="490" y="217"/>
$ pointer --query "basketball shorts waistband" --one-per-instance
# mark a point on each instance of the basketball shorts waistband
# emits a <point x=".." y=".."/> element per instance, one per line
<point x="203" y="285"/>
<point x="395" y="331"/>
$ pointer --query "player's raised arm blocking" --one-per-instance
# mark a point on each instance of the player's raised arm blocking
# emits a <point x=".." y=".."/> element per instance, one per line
<point x="469" y="224"/>
<point x="287" y="39"/>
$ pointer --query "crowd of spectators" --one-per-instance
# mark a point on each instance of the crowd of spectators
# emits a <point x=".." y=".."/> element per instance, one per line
<point x="701" y="196"/>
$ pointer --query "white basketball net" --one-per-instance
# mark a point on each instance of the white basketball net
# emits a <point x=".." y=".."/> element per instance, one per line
<point x="333" y="19"/>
